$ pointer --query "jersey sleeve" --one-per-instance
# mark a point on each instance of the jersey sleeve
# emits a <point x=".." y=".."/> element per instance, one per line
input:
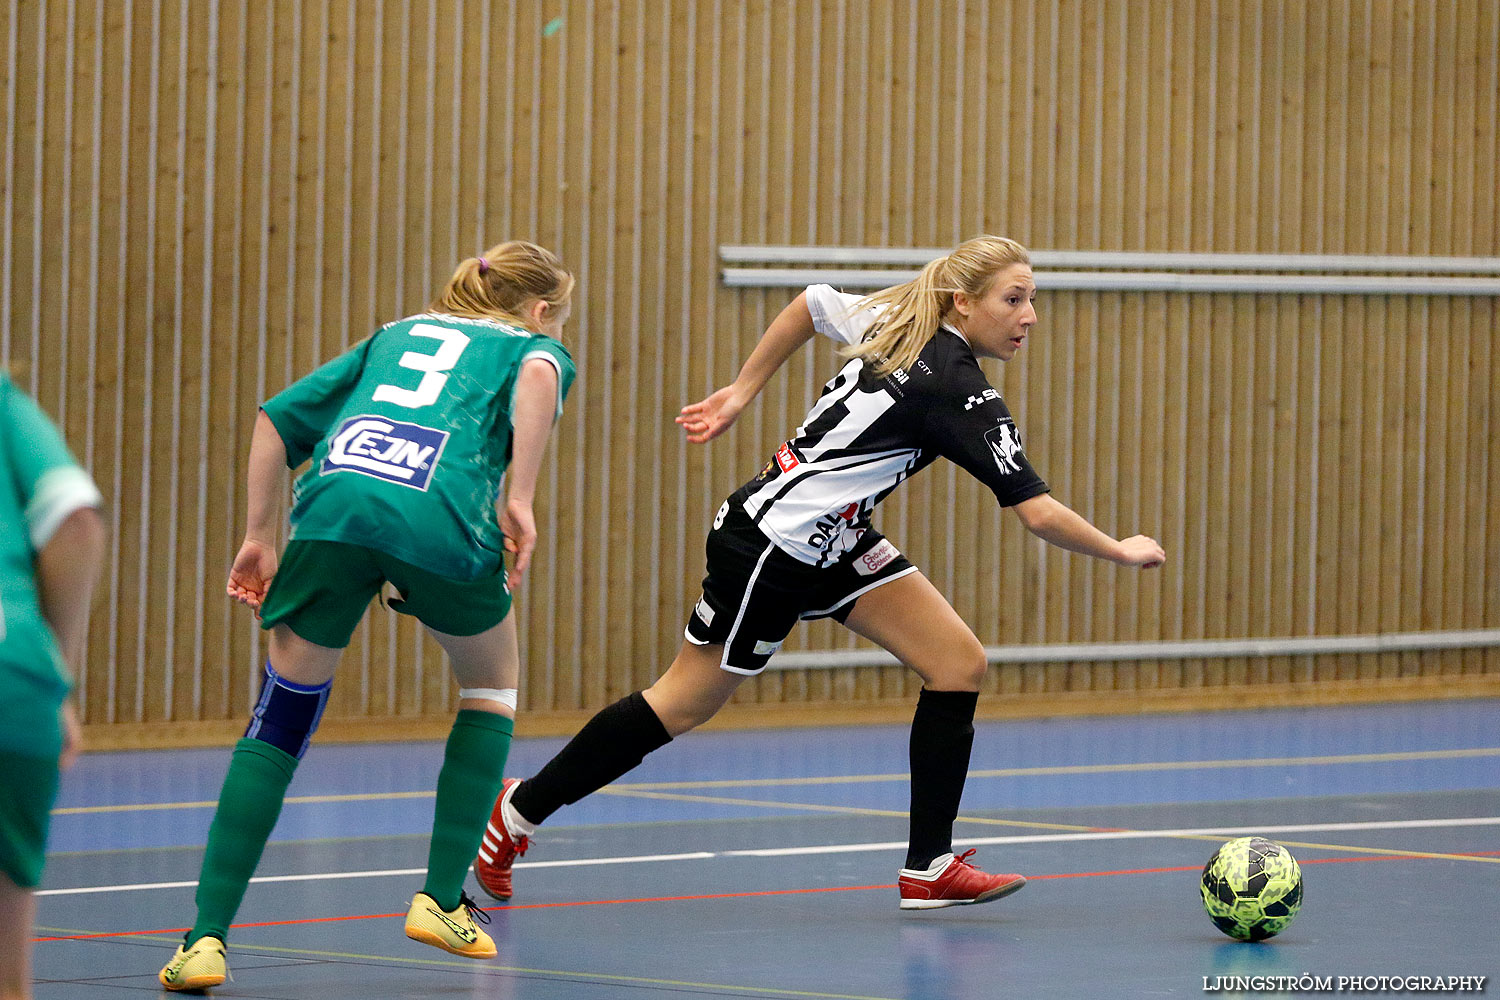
<point x="555" y="354"/>
<point x="304" y="411"/>
<point x="969" y="424"/>
<point x="834" y="315"/>
<point x="50" y="481"/>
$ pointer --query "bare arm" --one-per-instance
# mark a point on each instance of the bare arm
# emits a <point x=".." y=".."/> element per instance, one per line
<point x="1060" y="525"/>
<point x="709" y="418"/>
<point x="67" y="568"/>
<point x="265" y="486"/>
<point x="265" y="481"/>
<point x="531" y="422"/>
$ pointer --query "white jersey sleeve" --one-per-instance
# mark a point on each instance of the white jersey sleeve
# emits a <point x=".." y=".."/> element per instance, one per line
<point x="834" y="315"/>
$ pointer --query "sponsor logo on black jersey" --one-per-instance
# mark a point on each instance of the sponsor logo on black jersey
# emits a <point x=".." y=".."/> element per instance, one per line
<point x="893" y="382"/>
<point x="386" y="449"/>
<point x="988" y="395"/>
<point x="879" y="556"/>
<point x="1005" y="445"/>
<point x="829" y="525"/>
<point x="785" y="458"/>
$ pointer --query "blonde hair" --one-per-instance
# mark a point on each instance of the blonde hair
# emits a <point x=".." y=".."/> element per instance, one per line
<point x="499" y="283"/>
<point x="912" y="312"/>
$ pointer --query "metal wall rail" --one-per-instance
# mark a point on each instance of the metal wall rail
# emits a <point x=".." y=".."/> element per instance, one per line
<point x="909" y="257"/>
<point x="1294" y="274"/>
<point x="1138" y="281"/>
<point x="1206" y="649"/>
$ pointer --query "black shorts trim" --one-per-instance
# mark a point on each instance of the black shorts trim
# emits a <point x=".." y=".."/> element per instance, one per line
<point x="754" y="592"/>
<point x="840" y="611"/>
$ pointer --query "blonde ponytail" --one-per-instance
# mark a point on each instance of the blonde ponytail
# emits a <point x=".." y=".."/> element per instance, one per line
<point x="912" y="312"/>
<point x="498" y="284"/>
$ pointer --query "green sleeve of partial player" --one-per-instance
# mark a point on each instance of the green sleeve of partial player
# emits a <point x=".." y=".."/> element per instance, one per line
<point x="304" y="411"/>
<point x="554" y="352"/>
<point x="34" y="442"/>
<point x="48" y="481"/>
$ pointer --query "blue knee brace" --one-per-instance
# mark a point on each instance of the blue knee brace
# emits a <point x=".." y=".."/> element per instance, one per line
<point x="287" y="713"/>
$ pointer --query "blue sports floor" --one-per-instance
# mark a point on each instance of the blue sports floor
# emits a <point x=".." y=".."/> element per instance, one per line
<point x="762" y="864"/>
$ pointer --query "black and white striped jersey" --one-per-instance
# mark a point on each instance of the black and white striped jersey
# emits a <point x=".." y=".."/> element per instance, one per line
<point x="866" y="435"/>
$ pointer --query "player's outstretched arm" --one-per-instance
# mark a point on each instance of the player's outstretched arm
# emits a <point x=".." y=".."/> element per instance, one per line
<point x="1060" y="525"/>
<point x="707" y="419"/>
<point x="255" y="565"/>
<point x="531" y="422"/>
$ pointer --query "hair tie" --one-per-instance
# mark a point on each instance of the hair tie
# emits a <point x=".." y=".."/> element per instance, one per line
<point x="484" y="265"/>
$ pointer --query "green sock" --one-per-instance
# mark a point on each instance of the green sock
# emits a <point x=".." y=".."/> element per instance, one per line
<point x="473" y="766"/>
<point x="248" y="807"/>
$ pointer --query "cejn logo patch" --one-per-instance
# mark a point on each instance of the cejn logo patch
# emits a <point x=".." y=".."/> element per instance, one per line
<point x="386" y="449"/>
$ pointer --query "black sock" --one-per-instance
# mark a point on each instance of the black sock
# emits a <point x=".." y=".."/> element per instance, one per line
<point x="613" y="742"/>
<point x="942" y="734"/>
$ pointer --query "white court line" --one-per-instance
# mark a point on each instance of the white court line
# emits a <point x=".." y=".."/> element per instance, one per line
<point x="781" y="852"/>
<point x="691" y="856"/>
<point x="1057" y="838"/>
<point x="385" y="873"/>
<point x="262" y="878"/>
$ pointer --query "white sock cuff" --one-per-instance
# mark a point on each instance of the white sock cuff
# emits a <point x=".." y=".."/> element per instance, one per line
<point x="505" y="696"/>
<point x="932" y="871"/>
<point x="514" y="821"/>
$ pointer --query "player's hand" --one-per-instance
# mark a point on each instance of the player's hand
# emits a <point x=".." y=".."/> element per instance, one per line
<point x="250" y="576"/>
<point x="1138" y="550"/>
<point x="518" y="525"/>
<point x="72" y="736"/>
<point x="705" y="420"/>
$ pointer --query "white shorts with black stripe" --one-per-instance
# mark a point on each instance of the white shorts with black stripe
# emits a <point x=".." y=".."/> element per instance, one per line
<point x="754" y="592"/>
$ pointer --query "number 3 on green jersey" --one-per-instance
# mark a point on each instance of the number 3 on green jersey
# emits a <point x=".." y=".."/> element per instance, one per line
<point x="434" y="368"/>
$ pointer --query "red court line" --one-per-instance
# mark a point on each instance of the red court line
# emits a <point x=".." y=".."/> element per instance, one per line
<point x="487" y="909"/>
<point x="722" y="895"/>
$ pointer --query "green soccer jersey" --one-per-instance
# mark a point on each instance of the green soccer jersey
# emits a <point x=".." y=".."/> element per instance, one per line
<point x="410" y="433"/>
<point x="40" y="485"/>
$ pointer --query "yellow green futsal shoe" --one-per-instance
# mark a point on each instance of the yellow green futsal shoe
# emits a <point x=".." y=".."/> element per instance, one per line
<point x="452" y="930"/>
<point x="196" y="968"/>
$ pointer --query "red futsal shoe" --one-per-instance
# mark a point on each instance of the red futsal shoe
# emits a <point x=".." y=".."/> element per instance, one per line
<point x="952" y="881"/>
<point x="498" y="849"/>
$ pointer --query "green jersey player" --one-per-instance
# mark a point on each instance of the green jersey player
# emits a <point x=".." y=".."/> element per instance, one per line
<point x="51" y="545"/>
<point x="423" y="445"/>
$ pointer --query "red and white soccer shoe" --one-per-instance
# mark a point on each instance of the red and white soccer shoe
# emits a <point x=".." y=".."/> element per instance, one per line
<point x="498" y="849"/>
<point x="951" y="881"/>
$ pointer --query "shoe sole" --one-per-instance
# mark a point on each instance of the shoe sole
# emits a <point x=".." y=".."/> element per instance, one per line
<point x="490" y="892"/>
<point x="983" y="897"/>
<point x="195" y="983"/>
<point x="427" y="937"/>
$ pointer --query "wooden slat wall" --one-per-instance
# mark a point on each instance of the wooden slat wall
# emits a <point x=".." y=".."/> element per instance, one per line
<point x="202" y="200"/>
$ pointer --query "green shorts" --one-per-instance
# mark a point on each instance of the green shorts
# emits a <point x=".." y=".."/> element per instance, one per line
<point x="321" y="590"/>
<point x="28" y="785"/>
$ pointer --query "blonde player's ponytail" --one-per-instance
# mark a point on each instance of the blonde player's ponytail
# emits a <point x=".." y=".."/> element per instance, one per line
<point x="912" y="312"/>
<point x="498" y="284"/>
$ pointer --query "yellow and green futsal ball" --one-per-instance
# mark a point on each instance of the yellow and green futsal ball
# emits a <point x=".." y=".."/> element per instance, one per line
<point x="1252" y="888"/>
